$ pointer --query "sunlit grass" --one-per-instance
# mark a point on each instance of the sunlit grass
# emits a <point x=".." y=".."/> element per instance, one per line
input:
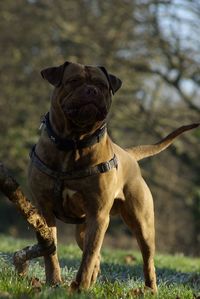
<point x="178" y="276"/>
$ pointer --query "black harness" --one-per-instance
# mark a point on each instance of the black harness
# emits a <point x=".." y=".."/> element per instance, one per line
<point x="75" y="174"/>
<point x="59" y="176"/>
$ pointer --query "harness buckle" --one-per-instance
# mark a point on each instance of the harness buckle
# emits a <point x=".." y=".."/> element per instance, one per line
<point x="105" y="166"/>
<point x="42" y="122"/>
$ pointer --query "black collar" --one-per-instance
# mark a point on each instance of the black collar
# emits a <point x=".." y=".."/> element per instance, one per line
<point x="65" y="144"/>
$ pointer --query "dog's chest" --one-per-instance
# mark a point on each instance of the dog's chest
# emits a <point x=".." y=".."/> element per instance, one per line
<point x="69" y="193"/>
<point x="72" y="202"/>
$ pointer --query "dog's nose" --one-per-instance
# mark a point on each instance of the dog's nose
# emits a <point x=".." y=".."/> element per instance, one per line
<point x="91" y="90"/>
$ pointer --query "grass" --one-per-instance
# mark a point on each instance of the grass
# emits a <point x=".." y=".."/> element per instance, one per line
<point x="121" y="275"/>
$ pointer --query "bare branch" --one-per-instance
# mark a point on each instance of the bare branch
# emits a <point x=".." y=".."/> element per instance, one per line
<point x="173" y="82"/>
<point x="11" y="189"/>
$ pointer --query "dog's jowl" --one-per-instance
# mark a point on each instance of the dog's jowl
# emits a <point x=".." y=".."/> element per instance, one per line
<point x="78" y="175"/>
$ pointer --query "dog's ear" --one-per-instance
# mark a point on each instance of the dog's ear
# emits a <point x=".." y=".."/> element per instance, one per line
<point x="54" y="75"/>
<point x="114" y="82"/>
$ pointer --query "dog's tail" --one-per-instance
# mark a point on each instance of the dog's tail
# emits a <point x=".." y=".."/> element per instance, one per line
<point x="143" y="151"/>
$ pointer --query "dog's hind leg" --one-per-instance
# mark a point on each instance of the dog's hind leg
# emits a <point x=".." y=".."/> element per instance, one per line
<point x="138" y="213"/>
<point x="80" y="235"/>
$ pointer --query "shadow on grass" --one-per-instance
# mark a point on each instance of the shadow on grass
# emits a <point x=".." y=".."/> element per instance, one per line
<point x="111" y="272"/>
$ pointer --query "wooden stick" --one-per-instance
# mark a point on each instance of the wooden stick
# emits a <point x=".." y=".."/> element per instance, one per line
<point x="46" y="246"/>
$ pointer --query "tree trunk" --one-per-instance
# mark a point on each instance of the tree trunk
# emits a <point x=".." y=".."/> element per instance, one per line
<point x="11" y="189"/>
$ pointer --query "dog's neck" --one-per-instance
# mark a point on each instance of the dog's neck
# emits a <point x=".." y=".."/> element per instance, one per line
<point x="74" y="141"/>
<point x="75" y="157"/>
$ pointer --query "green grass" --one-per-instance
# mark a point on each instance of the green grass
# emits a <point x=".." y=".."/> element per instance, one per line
<point x="178" y="276"/>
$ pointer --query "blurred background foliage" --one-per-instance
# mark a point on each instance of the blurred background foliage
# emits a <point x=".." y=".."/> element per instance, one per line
<point x="153" y="46"/>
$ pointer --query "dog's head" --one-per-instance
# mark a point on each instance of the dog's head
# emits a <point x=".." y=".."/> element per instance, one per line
<point x="82" y="92"/>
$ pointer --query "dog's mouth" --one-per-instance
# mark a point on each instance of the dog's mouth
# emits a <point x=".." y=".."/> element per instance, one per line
<point x="87" y="113"/>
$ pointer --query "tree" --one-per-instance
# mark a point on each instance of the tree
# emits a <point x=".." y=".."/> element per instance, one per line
<point x="142" y="43"/>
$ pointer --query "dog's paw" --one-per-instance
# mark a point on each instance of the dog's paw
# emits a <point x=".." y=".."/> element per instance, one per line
<point x="75" y="287"/>
<point x="137" y="292"/>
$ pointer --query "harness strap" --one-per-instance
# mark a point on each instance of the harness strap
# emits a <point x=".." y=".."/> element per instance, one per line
<point x="65" y="144"/>
<point x="75" y="174"/>
<point x="59" y="177"/>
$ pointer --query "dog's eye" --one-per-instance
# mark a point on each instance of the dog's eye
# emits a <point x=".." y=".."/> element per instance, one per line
<point x="73" y="81"/>
<point x="101" y="84"/>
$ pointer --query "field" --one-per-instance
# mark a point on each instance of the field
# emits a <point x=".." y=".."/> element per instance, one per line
<point x="121" y="275"/>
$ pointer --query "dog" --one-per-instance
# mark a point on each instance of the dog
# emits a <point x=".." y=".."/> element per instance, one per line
<point x="78" y="175"/>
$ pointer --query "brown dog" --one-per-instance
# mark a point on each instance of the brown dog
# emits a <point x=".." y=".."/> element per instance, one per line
<point x="79" y="175"/>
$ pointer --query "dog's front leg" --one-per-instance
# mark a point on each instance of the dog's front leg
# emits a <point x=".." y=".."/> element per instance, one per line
<point x="96" y="226"/>
<point x="80" y="237"/>
<point x="52" y="267"/>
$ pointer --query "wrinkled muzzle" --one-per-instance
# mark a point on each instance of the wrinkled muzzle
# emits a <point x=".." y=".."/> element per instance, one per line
<point x="86" y="105"/>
